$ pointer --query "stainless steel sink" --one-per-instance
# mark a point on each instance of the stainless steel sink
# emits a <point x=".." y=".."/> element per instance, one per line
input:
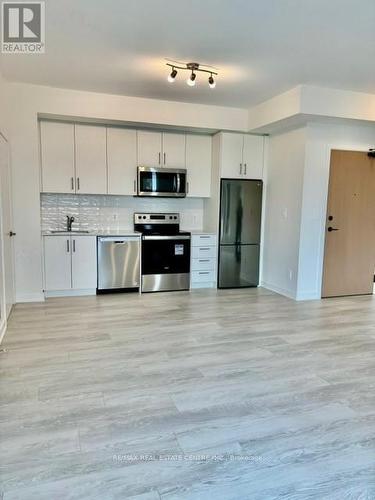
<point x="75" y="231"/>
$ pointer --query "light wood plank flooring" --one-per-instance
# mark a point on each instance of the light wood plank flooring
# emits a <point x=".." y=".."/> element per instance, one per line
<point x="220" y="395"/>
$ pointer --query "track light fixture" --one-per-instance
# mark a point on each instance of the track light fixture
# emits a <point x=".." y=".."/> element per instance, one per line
<point x="193" y="68"/>
<point x="172" y="76"/>
<point x="191" y="81"/>
<point x="211" y="82"/>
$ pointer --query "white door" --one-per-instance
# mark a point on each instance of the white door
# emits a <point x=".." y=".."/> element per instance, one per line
<point x="198" y="165"/>
<point x="174" y="150"/>
<point x="231" y="155"/>
<point x="57" y="157"/>
<point x="57" y="263"/>
<point x="6" y="225"/>
<point x="91" y="159"/>
<point x="149" y="149"/>
<point x="122" y="161"/>
<point x="253" y="157"/>
<point x="84" y="262"/>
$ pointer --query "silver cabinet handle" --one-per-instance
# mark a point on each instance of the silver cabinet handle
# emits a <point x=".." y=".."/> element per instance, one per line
<point x="159" y="157"/>
<point x="78" y="184"/>
<point x="72" y="183"/>
<point x="204" y="260"/>
<point x="165" y="158"/>
<point x="135" y="186"/>
<point x="204" y="272"/>
<point x="245" y="168"/>
<point x="240" y="168"/>
<point x="67" y="246"/>
<point x="202" y="237"/>
<point x="74" y="245"/>
<point x="204" y="248"/>
<point x="187" y="188"/>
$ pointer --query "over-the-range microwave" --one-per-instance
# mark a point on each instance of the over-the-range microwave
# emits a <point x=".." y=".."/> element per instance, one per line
<point x="164" y="182"/>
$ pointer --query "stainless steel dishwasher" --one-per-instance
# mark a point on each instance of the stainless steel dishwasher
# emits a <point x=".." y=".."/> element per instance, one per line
<point x="118" y="263"/>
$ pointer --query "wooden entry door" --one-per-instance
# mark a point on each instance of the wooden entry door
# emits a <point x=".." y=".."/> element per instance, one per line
<point x="349" y="259"/>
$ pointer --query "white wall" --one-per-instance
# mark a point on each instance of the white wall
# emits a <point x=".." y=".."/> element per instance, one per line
<point x="26" y="101"/>
<point x="282" y="218"/>
<point x="321" y="138"/>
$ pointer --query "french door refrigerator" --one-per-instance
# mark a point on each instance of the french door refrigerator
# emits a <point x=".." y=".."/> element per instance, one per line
<point x="239" y="241"/>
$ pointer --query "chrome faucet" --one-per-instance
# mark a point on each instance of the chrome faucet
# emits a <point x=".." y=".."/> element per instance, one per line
<point x="69" y="222"/>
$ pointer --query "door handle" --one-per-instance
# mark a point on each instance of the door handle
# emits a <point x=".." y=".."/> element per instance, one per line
<point x="135" y="187"/>
<point x="74" y="245"/>
<point x="240" y="168"/>
<point x="245" y="168"/>
<point x="67" y="246"/>
<point x="165" y="158"/>
<point x="78" y="184"/>
<point x="332" y="229"/>
<point x="11" y="233"/>
<point x="72" y="183"/>
<point x="159" y="158"/>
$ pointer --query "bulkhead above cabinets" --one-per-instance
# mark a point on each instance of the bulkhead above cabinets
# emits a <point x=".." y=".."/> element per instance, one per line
<point x="98" y="159"/>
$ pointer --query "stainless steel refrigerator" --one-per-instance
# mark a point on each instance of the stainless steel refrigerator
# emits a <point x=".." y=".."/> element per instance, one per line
<point x="240" y="223"/>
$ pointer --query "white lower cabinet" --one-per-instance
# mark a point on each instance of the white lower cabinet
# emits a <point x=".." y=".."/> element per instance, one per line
<point x="69" y="265"/>
<point x="203" y="268"/>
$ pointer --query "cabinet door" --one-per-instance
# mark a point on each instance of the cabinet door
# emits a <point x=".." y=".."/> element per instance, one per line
<point x="83" y="262"/>
<point x="174" y="150"/>
<point x="149" y="148"/>
<point x="122" y="161"/>
<point x="57" y="157"/>
<point x="198" y="164"/>
<point x="91" y="161"/>
<point x="231" y="155"/>
<point x="57" y="263"/>
<point x="253" y="157"/>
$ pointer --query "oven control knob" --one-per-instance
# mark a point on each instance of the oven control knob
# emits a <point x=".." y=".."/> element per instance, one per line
<point x="144" y="216"/>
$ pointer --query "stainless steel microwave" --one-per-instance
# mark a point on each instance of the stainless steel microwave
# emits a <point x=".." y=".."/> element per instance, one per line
<point x="164" y="182"/>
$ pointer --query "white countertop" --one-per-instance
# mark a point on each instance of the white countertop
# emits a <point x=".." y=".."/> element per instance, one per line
<point x="106" y="232"/>
<point x="115" y="232"/>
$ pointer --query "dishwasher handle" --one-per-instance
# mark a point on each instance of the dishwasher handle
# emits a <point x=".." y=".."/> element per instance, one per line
<point x="117" y="240"/>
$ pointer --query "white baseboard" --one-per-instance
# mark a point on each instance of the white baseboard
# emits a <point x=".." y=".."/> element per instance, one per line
<point x="30" y="297"/>
<point x="308" y="296"/>
<point x="281" y="291"/>
<point x="70" y="293"/>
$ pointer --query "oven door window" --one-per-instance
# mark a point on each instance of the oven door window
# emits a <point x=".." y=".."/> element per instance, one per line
<point x="165" y="256"/>
<point x="162" y="182"/>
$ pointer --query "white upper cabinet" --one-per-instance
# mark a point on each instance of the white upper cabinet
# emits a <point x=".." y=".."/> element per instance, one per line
<point x="174" y="150"/>
<point x="198" y="165"/>
<point x="231" y="155"/>
<point x="91" y="159"/>
<point x="149" y="148"/>
<point x="241" y="156"/>
<point x="122" y="161"/>
<point x="83" y="251"/>
<point x="57" y="155"/>
<point x="57" y="263"/>
<point x="253" y="146"/>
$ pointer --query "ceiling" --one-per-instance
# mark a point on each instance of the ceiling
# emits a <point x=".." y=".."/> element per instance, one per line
<point x="260" y="47"/>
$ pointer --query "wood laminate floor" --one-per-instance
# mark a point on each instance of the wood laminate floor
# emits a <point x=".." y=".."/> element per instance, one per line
<point x="222" y="395"/>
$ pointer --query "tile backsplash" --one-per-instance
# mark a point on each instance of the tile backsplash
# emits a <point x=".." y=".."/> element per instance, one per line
<point x="101" y="212"/>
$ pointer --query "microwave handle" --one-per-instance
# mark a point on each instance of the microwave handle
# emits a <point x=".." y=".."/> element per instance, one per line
<point x="178" y="183"/>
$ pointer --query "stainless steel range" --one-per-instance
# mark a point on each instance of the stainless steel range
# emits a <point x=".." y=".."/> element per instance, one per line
<point x="165" y="252"/>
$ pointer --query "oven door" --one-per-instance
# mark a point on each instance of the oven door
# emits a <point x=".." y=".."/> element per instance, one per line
<point x="165" y="263"/>
<point x="161" y="182"/>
